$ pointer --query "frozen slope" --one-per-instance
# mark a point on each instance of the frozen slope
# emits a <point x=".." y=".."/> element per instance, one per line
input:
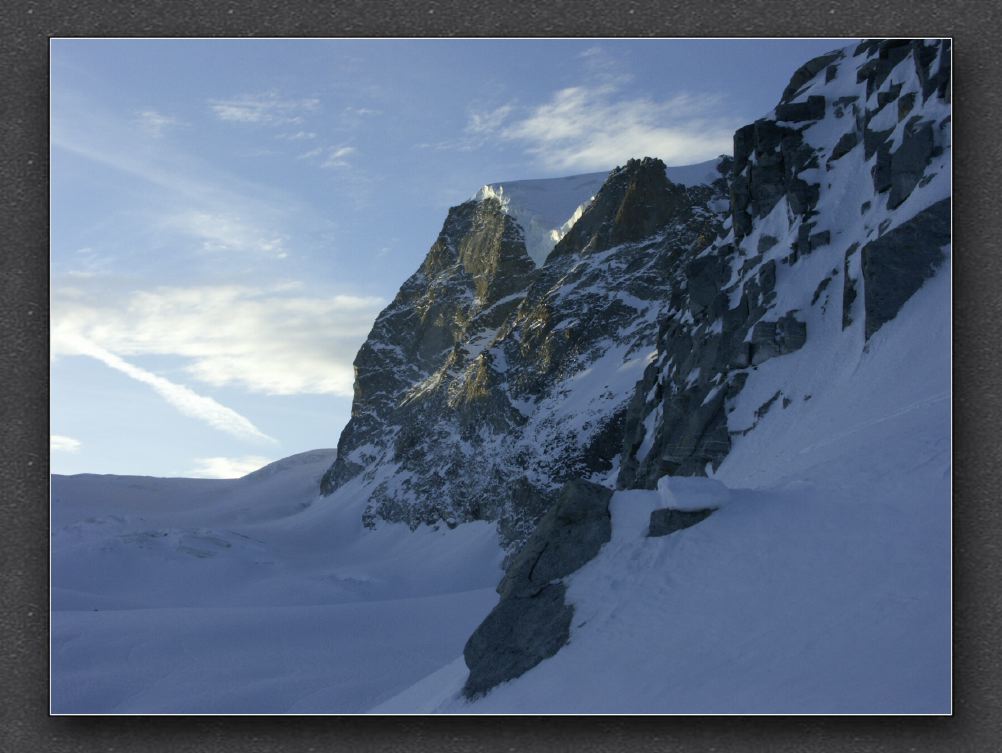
<point x="823" y="585"/>
<point x="250" y="595"/>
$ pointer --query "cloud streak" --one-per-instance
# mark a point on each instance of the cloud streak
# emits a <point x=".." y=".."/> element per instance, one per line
<point x="329" y="157"/>
<point x="273" y="340"/>
<point x="185" y="400"/>
<point x="219" y="231"/>
<point x="263" y="109"/>
<point x="154" y="123"/>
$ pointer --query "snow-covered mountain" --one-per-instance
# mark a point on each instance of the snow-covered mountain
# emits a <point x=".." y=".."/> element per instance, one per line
<point x="702" y="413"/>
<point x="489" y="382"/>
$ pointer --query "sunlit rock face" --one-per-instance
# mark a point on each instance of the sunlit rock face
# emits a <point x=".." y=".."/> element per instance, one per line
<point x="489" y="381"/>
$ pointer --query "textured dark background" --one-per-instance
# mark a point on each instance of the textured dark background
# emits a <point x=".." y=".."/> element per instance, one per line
<point x="24" y="304"/>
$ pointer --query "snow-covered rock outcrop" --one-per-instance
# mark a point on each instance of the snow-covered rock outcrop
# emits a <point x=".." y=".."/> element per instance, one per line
<point x="489" y="382"/>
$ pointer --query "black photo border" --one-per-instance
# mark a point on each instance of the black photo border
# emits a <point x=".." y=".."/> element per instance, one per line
<point x="26" y="27"/>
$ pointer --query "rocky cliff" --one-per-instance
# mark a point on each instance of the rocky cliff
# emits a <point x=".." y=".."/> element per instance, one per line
<point x="489" y="382"/>
<point x="839" y="212"/>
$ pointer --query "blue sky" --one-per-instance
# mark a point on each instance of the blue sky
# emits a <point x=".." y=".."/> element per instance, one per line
<point x="229" y="216"/>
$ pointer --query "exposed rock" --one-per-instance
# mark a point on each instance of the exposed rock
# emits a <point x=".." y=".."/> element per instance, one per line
<point x="456" y="386"/>
<point x="887" y="96"/>
<point x="795" y="112"/>
<point x="666" y="521"/>
<point x="768" y="159"/>
<point x="844" y="145"/>
<point x="822" y="238"/>
<point x="765" y="242"/>
<point x="908" y="163"/>
<point x="808" y="71"/>
<point x="634" y="203"/>
<point x="515" y="637"/>
<point x="568" y="536"/>
<point x="771" y="339"/>
<point x="905" y="105"/>
<point x="532" y="621"/>
<point x="822" y="286"/>
<point x="897" y="263"/>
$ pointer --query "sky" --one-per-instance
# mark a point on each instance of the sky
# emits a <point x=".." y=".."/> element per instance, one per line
<point x="228" y="217"/>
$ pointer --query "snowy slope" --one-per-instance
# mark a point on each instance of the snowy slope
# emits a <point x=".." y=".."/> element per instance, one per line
<point x="250" y="595"/>
<point x="822" y="585"/>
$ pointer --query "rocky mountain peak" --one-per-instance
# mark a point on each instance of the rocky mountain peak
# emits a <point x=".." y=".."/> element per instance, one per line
<point x="636" y="201"/>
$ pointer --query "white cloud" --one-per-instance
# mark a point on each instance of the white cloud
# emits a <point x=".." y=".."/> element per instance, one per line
<point x="593" y="128"/>
<point x="226" y="232"/>
<point x="187" y="401"/>
<point x="361" y="112"/>
<point x="263" y="109"/>
<point x="336" y="156"/>
<point x="297" y="136"/>
<point x="330" y="156"/>
<point x="154" y="123"/>
<point x="273" y="340"/>
<point x="219" y="467"/>
<point x="59" y="443"/>
<point x="488" y="121"/>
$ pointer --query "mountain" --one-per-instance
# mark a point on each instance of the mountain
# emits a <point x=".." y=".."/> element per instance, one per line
<point x="489" y="381"/>
<point x="668" y="333"/>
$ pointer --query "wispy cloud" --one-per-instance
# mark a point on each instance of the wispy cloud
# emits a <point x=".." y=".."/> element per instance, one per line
<point x="273" y="340"/>
<point x="223" y="212"/>
<point x="595" y="127"/>
<point x="329" y="156"/>
<point x="220" y="467"/>
<point x="222" y="232"/>
<point x="337" y="156"/>
<point x="297" y="136"/>
<point x="361" y="112"/>
<point x="185" y="400"/>
<point x="488" y="121"/>
<point x="154" y="123"/>
<point x="482" y="124"/>
<point x="59" y="443"/>
<point x="263" y="109"/>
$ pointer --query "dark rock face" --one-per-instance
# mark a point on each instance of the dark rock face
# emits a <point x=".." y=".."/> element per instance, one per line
<point x="898" y="262"/>
<point x="845" y="144"/>
<point x="666" y="521"/>
<point x="567" y="537"/>
<point x="636" y="202"/>
<point x="532" y="620"/>
<point x="908" y="163"/>
<point x="808" y="71"/>
<point x="768" y="160"/>
<point x="771" y="339"/>
<point x="677" y="422"/>
<point x="795" y="112"/>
